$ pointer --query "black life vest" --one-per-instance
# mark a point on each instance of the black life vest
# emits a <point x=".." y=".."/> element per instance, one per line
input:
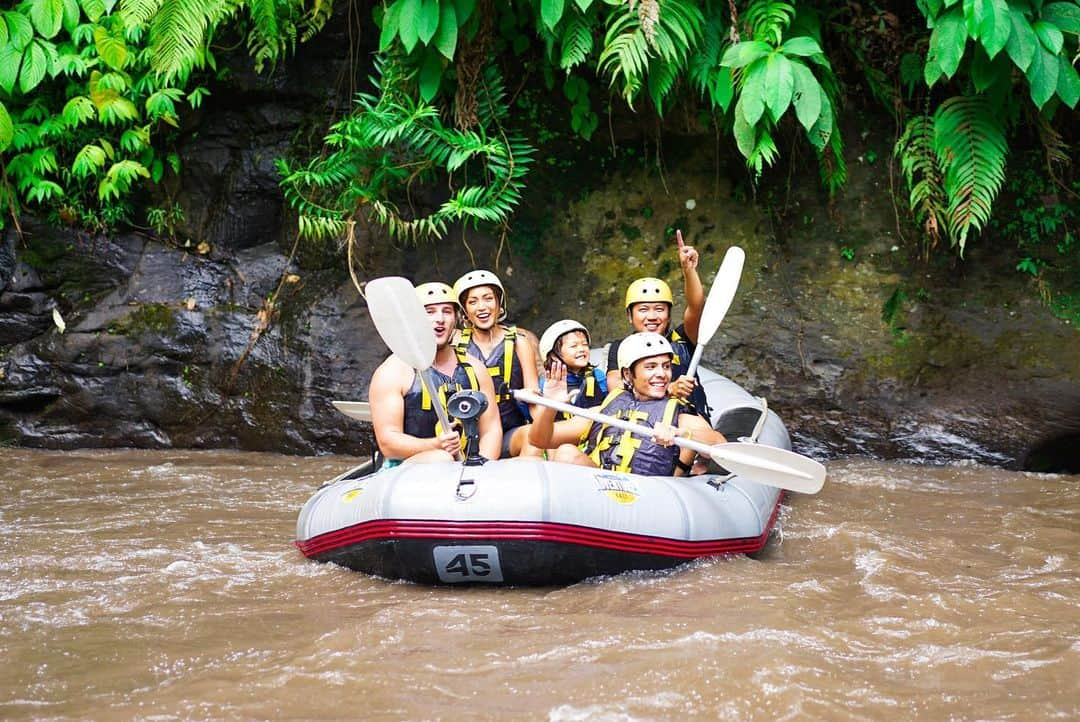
<point x="420" y="418"/>
<point x="612" y="448"/>
<point x="505" y="370"/>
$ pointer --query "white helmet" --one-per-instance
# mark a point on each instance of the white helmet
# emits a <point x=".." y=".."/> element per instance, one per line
<point x="641" y="345"/>
<point x="436" y="292"/>
<point x="556" y="331"/>
<point x="472" y="279"/>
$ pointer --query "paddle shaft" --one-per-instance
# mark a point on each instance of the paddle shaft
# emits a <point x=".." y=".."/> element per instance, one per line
<point x="764" y="464"/>
<point x="721" y="294"/>
<point x="646" y="431"/>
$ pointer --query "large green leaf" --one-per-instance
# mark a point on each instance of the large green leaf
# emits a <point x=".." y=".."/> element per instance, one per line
<point x="1068" y="85"/>
<point x="34" y="67"/>
<point x="803" y="46"/>
<point x="988" y="21"/>
<point x="1049" y="35"/>
<point x="822" y="131"/>
<point x="47" y="16"/>
<point x="430" y="75"/>
<point x="445" y="40"/>
<point x="390" y="23"/>
<point x="1065" y="15"/>
<point x="1022" y="40"/>
<point x="752" y="97"/>
<point x="551" y="12"/>
<point x="948" y="40"/>
<point x="745" y="133"/>
<point x="408" y="23"/>
<point x="94" y="9"/>
<point x="779" y="85"/>
<point x="78" y="110"/>
<point x="429" y="21"/>
<point x="10" y="62"/>
<point x="72" y="14"/>
<point x="111" y="47"/>
<point x="1042" y="75"/>
<point x="807" y="97"/>
<point x="7" y="130"/>
<point x="743" y="54"/>
<point x="20" y="30"/>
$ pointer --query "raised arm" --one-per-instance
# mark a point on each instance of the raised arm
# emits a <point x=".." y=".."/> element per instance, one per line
<point x="692" y="288"/>
<point x="545" y="432"/>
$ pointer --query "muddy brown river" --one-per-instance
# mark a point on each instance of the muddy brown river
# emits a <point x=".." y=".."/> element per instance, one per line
<point x="165" y="586"/>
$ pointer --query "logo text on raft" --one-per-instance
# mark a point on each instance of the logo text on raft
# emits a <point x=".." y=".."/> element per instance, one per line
<point x="619" y="488"/>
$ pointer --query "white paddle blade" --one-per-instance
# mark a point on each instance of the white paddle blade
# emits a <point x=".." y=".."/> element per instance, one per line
<point x="401" y="321"/>
<point x="359" y="410"/>
<point x="721" y="294"/>
<point x="770" y="465"/>
<point x="766" y="465"/>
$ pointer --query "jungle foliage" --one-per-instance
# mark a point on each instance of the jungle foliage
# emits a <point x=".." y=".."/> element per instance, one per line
<point x="90" y="91"/>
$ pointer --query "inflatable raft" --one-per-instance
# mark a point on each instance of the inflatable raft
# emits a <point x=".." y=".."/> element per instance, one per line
<point x="530" y="522"/>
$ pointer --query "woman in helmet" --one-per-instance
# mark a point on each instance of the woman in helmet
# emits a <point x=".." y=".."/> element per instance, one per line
<point x="568" y="341"/>
<point x="402" y="412"/>
<point x="645" y="368"/>
<point x="506" y="351"/>
<point x="648" y="306"/>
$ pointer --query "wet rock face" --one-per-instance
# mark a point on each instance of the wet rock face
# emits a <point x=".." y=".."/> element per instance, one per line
<point x="165" y="357"/>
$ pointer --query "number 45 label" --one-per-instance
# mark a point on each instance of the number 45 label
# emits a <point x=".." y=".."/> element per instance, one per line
<point x="468" y="564"/>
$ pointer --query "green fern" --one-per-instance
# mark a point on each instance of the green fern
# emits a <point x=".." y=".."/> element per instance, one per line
<point x="629" y="49"/>
<point x="390" y="140"/>
<point x="768" y="20"/>
<point x="969" y="140"/>
<point x="577" y="42"/>
<point x="919" y="165"/>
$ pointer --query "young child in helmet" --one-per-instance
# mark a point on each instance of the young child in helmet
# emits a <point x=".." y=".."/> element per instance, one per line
<point x="504" y="349"/>
<point x="645" y="368"/>
<point x="568" y="341"/>
<point x="649" y="305"/>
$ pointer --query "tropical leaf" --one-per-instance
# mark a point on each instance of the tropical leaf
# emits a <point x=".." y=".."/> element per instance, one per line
<point x="577" y="42"/>
<point x="79" y="110"/>
<point x="35" y="65"/>
<point x="47" y="17"/>
<point x="969" y="141"/>
<point x="7" y="129"/>
<point x="1042" y="76"/>
<point x="769" y="19"/>
<point x="947" y="42"/>
<point x="922" y="173"/>
<point x="445" y="40"/>
<point x="551" y="12"/>
<point x="1022" y="42"/>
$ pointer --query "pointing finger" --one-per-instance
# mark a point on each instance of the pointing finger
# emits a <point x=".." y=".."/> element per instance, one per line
<point x="678" y="237"/>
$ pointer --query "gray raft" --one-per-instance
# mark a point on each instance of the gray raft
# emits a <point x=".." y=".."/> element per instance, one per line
<point x="530" y="522"/>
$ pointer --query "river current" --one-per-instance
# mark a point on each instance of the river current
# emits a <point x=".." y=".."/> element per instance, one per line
<point x="165" y="585"/>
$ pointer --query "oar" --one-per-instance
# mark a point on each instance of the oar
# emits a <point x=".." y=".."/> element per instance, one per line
<point x="400" y="319"/>
<point x="359" y="410"/>
<point x="718" y="302"/>
<point x="766" y="465"/>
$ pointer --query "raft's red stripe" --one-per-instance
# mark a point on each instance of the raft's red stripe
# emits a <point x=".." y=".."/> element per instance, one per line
<point x="494" y="531"/>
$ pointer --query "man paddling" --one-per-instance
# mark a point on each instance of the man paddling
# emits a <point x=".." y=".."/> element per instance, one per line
<point x="402" y="412"/>
<point x="645" y="367"/>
